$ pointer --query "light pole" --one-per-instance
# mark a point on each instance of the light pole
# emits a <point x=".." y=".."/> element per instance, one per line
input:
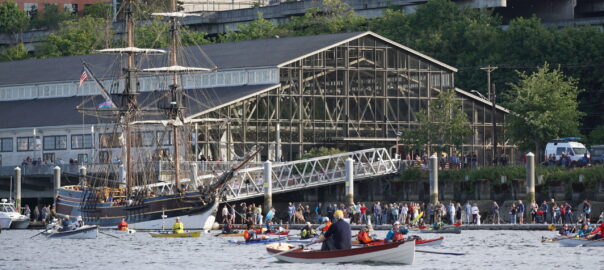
<point x="490" y="69"/>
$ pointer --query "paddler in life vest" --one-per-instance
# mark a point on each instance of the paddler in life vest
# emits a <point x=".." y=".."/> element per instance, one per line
<point x="565" y="230"/>
<point x="307" y="232"/>
<point x="250" y="233"/>
<point x="325" y="226"/>
<point x="227" y="228"/>
<point x="363" y="235"/>
<point x="597" y="233"/>
<point x="338" y="236"/>
<point x="122" y="226"/>
<point x="396" y="233"/>
<point x="438" y="224"/>
<point x="178" y="226"/>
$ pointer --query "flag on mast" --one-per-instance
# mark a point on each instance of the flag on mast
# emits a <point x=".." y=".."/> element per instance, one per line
<point x="83" y="76"/>
<point x="85" y="73"/>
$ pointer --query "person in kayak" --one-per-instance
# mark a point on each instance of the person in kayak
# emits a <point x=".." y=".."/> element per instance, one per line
<point x="250" y="233"/>
<point x="325" y="226"/>
<point x="396" y="233"/>
<point x="565" y="230"/>
<point x="584" y="231"/>
<point x="123" y="225"/>
<point x="338" y="236"/>
<point x="438" y="224"/>
<point x="227" y="228"/>
<point x="270" y="228"/>
<point x="597" y="233"/>
<point x="178" y="226"/>
<point x="363" y="236"/>
<point x="307" y="232"/>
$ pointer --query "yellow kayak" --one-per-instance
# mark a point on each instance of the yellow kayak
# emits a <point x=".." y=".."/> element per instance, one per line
<point x="174" y="235"/>
<point x="230" y="234"/>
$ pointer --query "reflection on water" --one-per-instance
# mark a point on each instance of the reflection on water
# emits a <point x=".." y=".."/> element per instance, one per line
<point x="485" y="250"/>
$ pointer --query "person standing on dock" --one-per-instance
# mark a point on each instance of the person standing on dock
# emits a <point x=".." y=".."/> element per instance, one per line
<point x="338" y="236"/>
<point x="468" y="210"/>
<point x="495" y="212"/>
<point x="521" y="210"/>
<point x="291" y="212"/>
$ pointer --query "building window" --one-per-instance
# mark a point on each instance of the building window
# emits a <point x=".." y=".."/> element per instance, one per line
<point x="104" y="157"/>
<point x="25" y="144"/>
<point x="55" y="142"/>
<point x="83" y="158"/>
<point x="31" y="9"/>
<point x="6" y="144"/>
<point x="81" y="141"/>
<point x="164" y="138"/>
<point x="109" y="140"/>
<point x="73" y="8"/>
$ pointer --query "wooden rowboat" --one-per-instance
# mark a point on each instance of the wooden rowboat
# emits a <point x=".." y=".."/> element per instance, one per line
<point x="175" y="235"/>
<point x="395" y="253"/>
<point x="84" y="232"/>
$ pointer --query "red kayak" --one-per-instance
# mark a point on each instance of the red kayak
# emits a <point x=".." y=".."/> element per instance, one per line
<point x="277" y="233"/>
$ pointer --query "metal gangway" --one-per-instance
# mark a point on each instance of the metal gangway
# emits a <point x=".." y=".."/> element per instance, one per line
<point x="307" y="173"/>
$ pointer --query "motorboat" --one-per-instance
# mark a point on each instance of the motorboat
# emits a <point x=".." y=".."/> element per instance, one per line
<point x="402" y="252"/>
<point x="18" y="221"/>
<point x="84" y="232"/>
<point x="5" y="221"/>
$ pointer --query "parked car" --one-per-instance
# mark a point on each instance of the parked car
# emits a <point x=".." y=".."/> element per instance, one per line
<point x="597" y="154"/>
<point x="569" y="147"/>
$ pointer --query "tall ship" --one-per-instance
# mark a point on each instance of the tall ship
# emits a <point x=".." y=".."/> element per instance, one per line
<point x="131" y="188"/>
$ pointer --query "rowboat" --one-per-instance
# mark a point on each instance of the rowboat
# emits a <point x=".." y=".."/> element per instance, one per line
<point x="447" y="230"/>
<point x="575" y="242"/>
<point x="396" y="253"/>
<point x="418" y="242"/>
<point x="84" y="232"/>
<point x="175" y="235"/>
<point x="556" y="238"/>
<point x="257" y="241"/>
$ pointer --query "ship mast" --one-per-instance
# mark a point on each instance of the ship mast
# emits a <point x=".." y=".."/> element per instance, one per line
<point x="129" y="98"/>
<point x="175" y="104"/>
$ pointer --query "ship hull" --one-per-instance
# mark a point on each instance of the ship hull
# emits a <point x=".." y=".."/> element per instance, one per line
<point x="145" y="214"/>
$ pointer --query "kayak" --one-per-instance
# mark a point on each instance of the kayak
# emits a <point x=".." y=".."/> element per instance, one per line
<point x="241" y="234"/>
<point x="448" y="230"/>
<point x="125" y="232"/>
<point x="175" y="235"/>
<point x="575" y="242"/>
<point x="257" y="241"/>
<point x="556" y="238"/>
<point x="418" y="242"/>
<point x="301" y="241"/>
<point x="396" y="253"/>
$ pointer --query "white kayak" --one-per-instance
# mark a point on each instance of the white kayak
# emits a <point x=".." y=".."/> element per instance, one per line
<point x="125" y="232"/>
<point x="575" y="242"/>
<point x="394" y="253"/>
<point x="84" y="232"/>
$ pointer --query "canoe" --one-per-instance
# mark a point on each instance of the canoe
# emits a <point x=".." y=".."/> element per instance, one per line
<point x="448" y="230"/>
<point x="395" y="253"/>
<point x="84" y="232"/>
<point x="418" y="242"/>
<point x="257" y="241"/>
<point x="575" y="242"/>
<point x="175" y="235"/>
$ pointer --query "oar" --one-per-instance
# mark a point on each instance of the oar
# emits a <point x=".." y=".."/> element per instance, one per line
<point x="293" y="249"/>
<point x="441" y="253"/>
<point x="109" y="235"/>
<point x="38" y="234"/>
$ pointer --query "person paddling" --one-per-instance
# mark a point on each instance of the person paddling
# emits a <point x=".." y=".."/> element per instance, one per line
<point x="123" y="225"/>
<point x="178" y="226"/>
<point x="307" y="232"/>
<point x="250" y="233"/>
<point x="363" y="236"/>
<point x="597" y="233"/>
<point x="338" y="236"/>
<point x="227" y="228"/>
<point x="565" y="230"/>
<point x="584" y="231"/>
<point x="66" y="224"/>
<point x="325" y="226"/>
<point x="396" y="233"/>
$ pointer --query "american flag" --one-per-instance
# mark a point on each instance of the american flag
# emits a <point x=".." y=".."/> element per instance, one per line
<point x="83" y="77"/>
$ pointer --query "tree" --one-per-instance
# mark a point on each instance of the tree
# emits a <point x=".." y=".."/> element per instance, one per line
<point x="12" y="19"/>
<point x="15" y="53"/>
<point x="75" y="37"/>
<point x="98" y="10"/>
<point x="543" y="106"/>
<point x="260" y="28"/>
<point x="157" y="35"/>
<point x="51" y="17"/>
<point x="596" y="136"/>
<point x="442" y="126"/>
<point x="334" y="16"/>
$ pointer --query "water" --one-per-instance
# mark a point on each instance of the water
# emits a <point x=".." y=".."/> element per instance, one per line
<point x="485" y="250"/>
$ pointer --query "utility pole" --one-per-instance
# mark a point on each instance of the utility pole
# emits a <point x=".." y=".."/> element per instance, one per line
<point x="490" y="69"/>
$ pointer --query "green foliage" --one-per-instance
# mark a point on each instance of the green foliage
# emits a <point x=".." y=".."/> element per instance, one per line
<point x="98" y="10"/>
<point x="320" y="152"/>
<point x="15" y="53"/>
<point x="76" y="37"/>
<point x="334" y="16"/>
<point x="12" y="19"/>
<point x="544" y="106"/>
<point x="260" y="28"/>
<point x="443" y="126"/>
<point x="51" y="17"/>
<point x="596" y="136"/>
<point x="156" y="34"/>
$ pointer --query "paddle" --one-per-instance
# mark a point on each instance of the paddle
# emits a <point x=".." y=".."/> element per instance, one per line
<point x="109" y="235"/>
<point x="441" y="253"/>
<point x="38" y="234"/>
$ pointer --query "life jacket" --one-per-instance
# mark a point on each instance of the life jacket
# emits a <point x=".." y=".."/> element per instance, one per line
<point x="259" y="231"/>
<point x="247" y="235"/>
<point x="327" y="225"/>
<point x="398" y="236"/>
<point x="307" y="233"/>
<point x="123" y="226"/>
<point x="364" y="238"/>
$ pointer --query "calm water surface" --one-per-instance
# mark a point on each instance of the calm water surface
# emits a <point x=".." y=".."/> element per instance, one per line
<point x="485" y="250"/>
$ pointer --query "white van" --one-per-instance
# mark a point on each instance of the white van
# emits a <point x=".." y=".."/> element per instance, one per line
<point x="571" y="148"/>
